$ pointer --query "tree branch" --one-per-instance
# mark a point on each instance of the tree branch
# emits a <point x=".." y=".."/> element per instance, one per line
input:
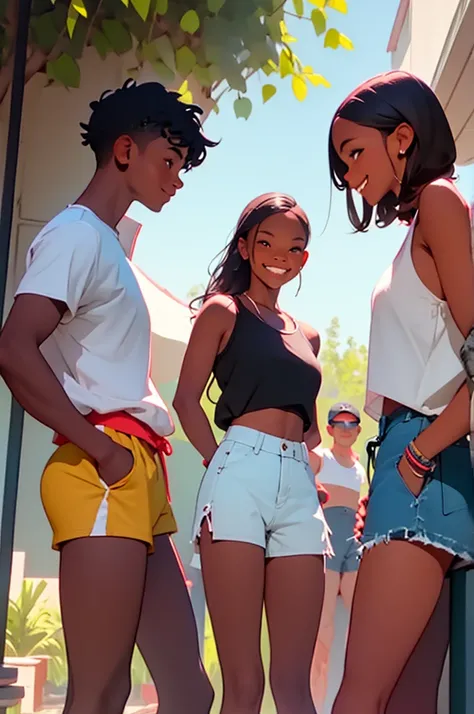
<point x="298" y="17"/>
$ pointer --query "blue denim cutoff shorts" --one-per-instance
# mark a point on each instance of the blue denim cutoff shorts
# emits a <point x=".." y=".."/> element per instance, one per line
<point x="341" y="522"/>
<point x="260" y="489"/>
<point x="443" y="513"/>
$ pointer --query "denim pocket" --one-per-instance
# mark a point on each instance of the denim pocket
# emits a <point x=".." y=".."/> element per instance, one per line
<point x="422" y="481"/>
<point x="454" y="470"/>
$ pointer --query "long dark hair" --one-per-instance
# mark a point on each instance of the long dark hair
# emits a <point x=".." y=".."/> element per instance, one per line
<point x="384" y="102"/>
<point x="232" y="274"/>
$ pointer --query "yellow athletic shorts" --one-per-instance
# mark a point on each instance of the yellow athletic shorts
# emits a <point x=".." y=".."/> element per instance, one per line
<point x="78" y="504"/>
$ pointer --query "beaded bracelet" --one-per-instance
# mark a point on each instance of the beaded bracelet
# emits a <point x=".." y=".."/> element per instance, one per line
<point x="419" y="464"/>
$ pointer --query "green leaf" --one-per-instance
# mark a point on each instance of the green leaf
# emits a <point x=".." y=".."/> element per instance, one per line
<point x="190" y="22"/>
<point x="345" y="42"/>
<point x="268" y="91"/>
<point x="242" y="108"/>
<point x="65" y="70"/>
<point x="318" y="18"/>
<point x="101" y="43"/>
<point x="299" y="7"/>
<point x="332" y="39"/>
<point x="119" y="37"/>
<point x="233" y="75"/>
<point x="273" y="25"/>
<point x="164" y="73"/>
<point x="339" y="5"/>
<point x="299" y="86"/>
<point x="186" y="94"/>
<point x="286" y="38"/>
<point x="286" y="62"/>
<point x="215" y="73"/>
<point x="45" y="31"/>
<point x="161" y="7"/>
<point x="185" y="61"/>
<point x="125" y="2"/>
<point x="79" y="7"/>
<point x="269" y="68"/>
<point x="72" y="17"/>
<point x="215" y="5"/>
<point x="203" y="76"/>
<point x="319" y="3"/>
<point x="315" y="79"/>
<point x="142" y="7"/>
<point x="165" y="51"/>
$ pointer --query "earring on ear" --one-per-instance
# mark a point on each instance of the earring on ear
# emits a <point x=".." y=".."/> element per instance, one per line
<point x="401" y="154"/>
<point x="299" y="284"/>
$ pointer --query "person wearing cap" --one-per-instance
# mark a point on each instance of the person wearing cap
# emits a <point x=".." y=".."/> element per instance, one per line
<point x="75" y="352"/>
<point x="341" y="474"/>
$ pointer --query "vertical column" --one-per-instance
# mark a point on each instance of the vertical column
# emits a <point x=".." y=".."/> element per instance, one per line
<point x="461" y="674"/>
<point x="9" y="693"/>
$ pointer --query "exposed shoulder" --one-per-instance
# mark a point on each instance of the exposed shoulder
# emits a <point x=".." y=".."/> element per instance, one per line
<point x="218" y="308"/>
<point x="442" y="207"/>
<point x="312" y="336"/>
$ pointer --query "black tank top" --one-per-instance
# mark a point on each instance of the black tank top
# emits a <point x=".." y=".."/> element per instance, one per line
<point x="262" y="368"/>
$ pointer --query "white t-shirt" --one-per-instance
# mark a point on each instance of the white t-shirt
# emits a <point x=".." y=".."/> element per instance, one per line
<point x="100" y="351"/>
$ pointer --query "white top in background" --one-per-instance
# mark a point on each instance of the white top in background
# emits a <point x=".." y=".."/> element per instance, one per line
<point x="333" y="474"/>
<point x="100" y="351"/>
<point x="414" y="342"/>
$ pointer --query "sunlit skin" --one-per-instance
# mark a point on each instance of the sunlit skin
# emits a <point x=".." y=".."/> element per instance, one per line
<point x="277" y="244"/>
<point x="378" y="164"/>
<point x="236" y="574"/>
<point x="344" y="439"/>
<point x="148" y="172"/>
<point x="374" y="166"/>
<point x="407" y="578"/>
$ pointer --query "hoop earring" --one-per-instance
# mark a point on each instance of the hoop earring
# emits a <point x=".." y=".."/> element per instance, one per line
<point x="300" y="280"/>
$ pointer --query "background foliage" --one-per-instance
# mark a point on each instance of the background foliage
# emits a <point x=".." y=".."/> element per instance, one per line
<point x="34" y="629"/>
<point x="212" y="45"/>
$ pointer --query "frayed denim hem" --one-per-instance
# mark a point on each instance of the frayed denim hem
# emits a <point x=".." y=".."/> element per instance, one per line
<point x="437" y="541"/>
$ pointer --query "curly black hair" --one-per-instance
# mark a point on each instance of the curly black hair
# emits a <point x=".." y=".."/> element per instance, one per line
<point x="142" y="110"/>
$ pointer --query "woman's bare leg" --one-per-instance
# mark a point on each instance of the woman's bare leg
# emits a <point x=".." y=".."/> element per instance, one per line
<point x="233" y="575"/>
<point x="294" y="592"/>
<point x="322" y="651"/>
<point x="167" y="635"/>
<point x="416" y="692"/>
<point x="101" y="589"/>
<point x="397" y="590"/>
<point x="348" y="583"/>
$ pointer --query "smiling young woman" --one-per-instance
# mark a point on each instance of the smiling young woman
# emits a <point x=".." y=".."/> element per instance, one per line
<point x="391" y="142"/>
<point x="259" y="525"/>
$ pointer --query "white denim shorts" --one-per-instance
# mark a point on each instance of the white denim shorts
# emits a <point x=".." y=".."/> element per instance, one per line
<point x="260" y="489"/>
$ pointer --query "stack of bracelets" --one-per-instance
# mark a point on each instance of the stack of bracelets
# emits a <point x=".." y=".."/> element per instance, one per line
<point x="419" y="464"/>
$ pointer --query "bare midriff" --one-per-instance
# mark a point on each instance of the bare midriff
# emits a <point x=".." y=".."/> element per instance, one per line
<point x="275" y="422"/>
<point x="341" y="496"/>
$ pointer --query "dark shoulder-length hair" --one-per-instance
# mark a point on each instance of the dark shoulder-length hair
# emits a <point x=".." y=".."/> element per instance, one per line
<point x="232" y="274"/>
<point x="384" y="102"/>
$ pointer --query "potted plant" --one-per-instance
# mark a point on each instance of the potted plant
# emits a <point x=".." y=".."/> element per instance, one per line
<point x="34" y="642"/>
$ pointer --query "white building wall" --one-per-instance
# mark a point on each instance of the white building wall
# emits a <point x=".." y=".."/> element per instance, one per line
<point x="423" y="36"/>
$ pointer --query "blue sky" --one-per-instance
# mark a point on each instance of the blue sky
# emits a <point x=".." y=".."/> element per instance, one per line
<point x="283" y="147"/>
